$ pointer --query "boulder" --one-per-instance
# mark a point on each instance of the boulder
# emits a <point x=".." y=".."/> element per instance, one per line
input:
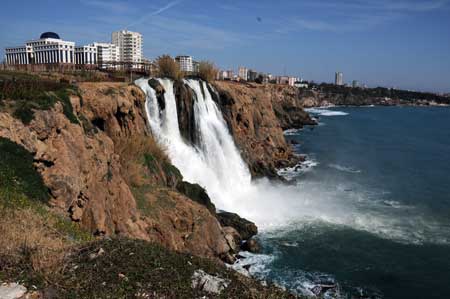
<point x="245" y="228"/>
<point x="208" y="283"/>
<point x="12" y="291"/>
<point x="233" y="238"/>
<point x="196" y="193"/>
<point x="252" y="246"/>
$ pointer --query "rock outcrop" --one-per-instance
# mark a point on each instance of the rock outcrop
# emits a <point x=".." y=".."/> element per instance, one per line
<point x="81" y="166"/>
<point x="257" y="115"/>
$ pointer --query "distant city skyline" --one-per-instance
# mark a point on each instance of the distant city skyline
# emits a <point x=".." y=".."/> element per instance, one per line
<point x="379" y="43"/>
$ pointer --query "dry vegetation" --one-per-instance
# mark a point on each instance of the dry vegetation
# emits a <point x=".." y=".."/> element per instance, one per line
<point x="29" y="237"/>
<point x="132" y="153"/>
<point x="168" y="68"/>
<point x="207" y="71"/>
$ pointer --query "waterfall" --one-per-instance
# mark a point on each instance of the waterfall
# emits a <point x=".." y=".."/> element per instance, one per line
<point x="215" y="162"/>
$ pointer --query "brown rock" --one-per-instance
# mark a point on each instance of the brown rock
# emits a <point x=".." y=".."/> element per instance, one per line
<point x="83" y="172"/>
<point x="256" y="115"/>
<point x="252" y="246"/>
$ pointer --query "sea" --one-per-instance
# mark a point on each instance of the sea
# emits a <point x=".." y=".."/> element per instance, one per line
<point x="385" y="171"/>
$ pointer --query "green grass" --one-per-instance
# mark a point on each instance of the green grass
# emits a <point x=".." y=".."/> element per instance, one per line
<point x="142" y="202"/>
<point x="131" y="267"/>
<point x="24" y="96"/>
<point x="21" y="187"/>
<point x="17" y="173"/>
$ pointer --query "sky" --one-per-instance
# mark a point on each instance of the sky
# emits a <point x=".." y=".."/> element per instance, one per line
<point x="391" y="43"/>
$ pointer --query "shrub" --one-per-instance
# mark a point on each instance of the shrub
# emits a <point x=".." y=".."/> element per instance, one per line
<point x="207" y="71"/>
<point x="168" y="68"/>
<point x="197" y="193"/>
<point x="135" y="153"/>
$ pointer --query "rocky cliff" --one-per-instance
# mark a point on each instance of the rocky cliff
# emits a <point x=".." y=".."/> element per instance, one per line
<point x="104" y="171"/>
<point x="257" y="115"/>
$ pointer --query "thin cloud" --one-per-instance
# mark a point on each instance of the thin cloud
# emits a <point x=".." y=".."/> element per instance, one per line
<point x="114" y="6"/>
<point x="356" y="15"/>
<point x="155" y="13"/>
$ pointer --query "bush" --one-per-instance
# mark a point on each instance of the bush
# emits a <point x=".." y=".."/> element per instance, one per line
<point x="168" y="68"/>
<point x="207" y="71"/>
<point x="197" y="193"/>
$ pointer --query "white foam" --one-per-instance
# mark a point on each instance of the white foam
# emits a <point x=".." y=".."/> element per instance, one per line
<point x="292" y="132"/>
<point x="325" y="112"/>
<point x="290" y="173"/>
<point x="258" y="264"/>
<point x="344" y="168"/>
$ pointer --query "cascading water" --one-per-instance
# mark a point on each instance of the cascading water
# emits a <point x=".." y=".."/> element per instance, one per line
<point x="214" y="162"/>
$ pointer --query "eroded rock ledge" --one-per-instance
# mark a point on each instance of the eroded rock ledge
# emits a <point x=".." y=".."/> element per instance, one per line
<point x="257" y="115"/>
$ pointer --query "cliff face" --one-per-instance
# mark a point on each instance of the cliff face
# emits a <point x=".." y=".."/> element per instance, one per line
<point x="257" y="115"/>
<point x="83" y="166"/>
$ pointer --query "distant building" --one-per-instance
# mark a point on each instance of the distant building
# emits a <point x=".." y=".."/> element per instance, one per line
<point x="355" y="84"/>
<point x="107" y="55"/>
<point x="196" y="66"/>
<point x="243" y="73"/>
<point x="286" y="80"/>
<point x="48" y="49"/>
<point x="229" y="74"/>
<point x="130" y="45"/>
<point x="301" y="84"/>
<point x="86" y="55"/>
<point x="339" y="79"/>
<point x="282" y="80"/>
<point x="293" y="80"/>
<point x="186" y="63"/>
<point x="252" y="75"/>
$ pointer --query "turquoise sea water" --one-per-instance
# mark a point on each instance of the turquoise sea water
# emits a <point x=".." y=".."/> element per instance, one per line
<point x="392" y="166"/>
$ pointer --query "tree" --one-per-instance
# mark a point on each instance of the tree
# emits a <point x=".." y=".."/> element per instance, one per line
<point x="168" y="67"/>
<point x="207" y="71"/>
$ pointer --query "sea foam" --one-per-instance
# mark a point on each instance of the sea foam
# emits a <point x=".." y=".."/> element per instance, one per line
<point x="325" y="112"/>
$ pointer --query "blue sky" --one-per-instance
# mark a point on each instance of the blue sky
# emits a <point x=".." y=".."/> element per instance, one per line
<point x="401" y="43"/>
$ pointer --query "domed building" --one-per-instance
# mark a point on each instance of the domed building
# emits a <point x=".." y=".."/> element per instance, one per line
<point x="49" y="35"/>
<point x="50" y="49"/>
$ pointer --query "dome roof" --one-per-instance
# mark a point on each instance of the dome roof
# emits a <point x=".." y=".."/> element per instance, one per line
<point x="50" y="35"/>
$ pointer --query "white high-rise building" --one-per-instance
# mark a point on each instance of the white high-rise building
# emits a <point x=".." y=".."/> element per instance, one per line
<point x="130" y="46"/>
<point x="186" y="63"/>
<point x="339" y="79"/>
<point x="108" y="55"/>
<point x="48" y="49"/>
<point x="243" y="73"/>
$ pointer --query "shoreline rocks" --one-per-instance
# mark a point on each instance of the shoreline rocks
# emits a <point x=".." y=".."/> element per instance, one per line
<point x="244" y="227"/>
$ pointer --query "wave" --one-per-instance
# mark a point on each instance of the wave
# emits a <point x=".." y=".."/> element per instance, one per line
<point x="256" y="265"/>
<point x="292" y="132"/>
<point x="325" y="112"/>
<point x="290" y="173"/>
<point x="344" y="168"/>
<point x="298" y="281"/>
